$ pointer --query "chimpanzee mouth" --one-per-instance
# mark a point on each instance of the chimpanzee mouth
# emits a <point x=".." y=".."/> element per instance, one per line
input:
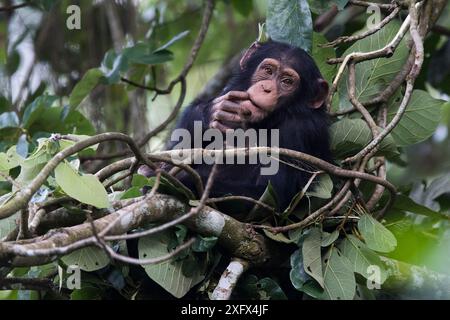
<point x="255" y="104"/>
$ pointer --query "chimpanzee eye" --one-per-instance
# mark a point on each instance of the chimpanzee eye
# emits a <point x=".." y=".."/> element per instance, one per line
<point x="287" y="81"/>
<point x="268" y="70"/>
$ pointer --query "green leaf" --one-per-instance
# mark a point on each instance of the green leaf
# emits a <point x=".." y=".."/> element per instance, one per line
<point x="321" y="55"/>
<point x="329" y="238"/>
<point x="88" y="259"/>
<point x="139" y="181"/>
<point x="349" y="136"/>
<point x="270" y="289"/>
<point x="426" y="196"/>
<point x="290" y="21"/>
<point x="120" y="64"/>
<point x="279" y="237"/>
<point x="374" y="75"/>
<point x="322" y="188"/>
<point x="85" y="188"/>
<point x="142" y="53"/>
<point x="74" y="138"/>
<point x="312" y="255"/>
<point x="362" y="258"/>
<point x="178" y="37"/>
<point x="405" y="203"/>
<point x="204" y="244"/>
<point x="8" y="120"/>
<point x="4" y="104"/>
<point x="375" y="235"/>
<point x="7" y="225"/>
<point x="10" y="159"/>
<point x="339" y="279"/>
<point x="133" y="192"/>
<point x="168" y="274"/>
<point x="297" y="274"/>
<point x="84" y="87"/>
<point x="269" y="197"/>
<point x="50" y="120"/>
<point x="34" y="110"/>
<point x="420" y="119"/>
<point x="87" y="293"/>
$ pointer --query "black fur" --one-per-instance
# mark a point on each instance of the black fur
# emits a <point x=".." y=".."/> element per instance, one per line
<point x="301" y="128"/>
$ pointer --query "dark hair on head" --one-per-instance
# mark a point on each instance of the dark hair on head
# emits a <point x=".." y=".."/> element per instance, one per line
<point x="294" y="57"/>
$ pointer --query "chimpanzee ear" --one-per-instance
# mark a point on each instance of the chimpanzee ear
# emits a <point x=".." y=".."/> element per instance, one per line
<point x="322" y="93"/>
<point x="248" y="53"/>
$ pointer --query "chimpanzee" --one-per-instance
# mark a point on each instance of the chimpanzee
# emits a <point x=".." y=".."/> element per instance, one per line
<point x="280" y="87"/>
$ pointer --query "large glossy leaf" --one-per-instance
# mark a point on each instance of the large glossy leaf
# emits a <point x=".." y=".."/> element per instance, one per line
<point x="374" y="75"/>
<point x="290" y="21"/>
<point x="87" y="259"/>
<point x="169" y="274"/>
<point x="420" y="119"/>
<point x="339" y="279"/>
<point x="362" y="258"/>
<point x="312" y="258"/>
<point x="84" y="188"/>
<point x="375" y="235"/>
<point x="349" y="136"/>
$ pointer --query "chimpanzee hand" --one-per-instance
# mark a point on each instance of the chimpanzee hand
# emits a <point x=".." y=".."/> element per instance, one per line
<point x="227" y="111"/>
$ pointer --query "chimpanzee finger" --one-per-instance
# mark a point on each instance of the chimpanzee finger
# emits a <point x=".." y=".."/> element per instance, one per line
<point x="226" y="116"/>
<point x="233" y="95"/>
<point x="217" y="125"/>
<point x="230" y="106"/>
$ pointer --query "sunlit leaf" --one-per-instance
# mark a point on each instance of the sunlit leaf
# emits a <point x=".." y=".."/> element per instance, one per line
<point x="84" y="188"/>
<point x="420" y="119"/>
<point x="362" y="258"/>
<point x="87" y="259"/>
<point x="168" y="274"/>
<point x="375" y="235"/>
<point x="339" y="279"/>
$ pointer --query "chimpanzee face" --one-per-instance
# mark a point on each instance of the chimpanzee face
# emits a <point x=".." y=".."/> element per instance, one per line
<point x="272" y="81"/>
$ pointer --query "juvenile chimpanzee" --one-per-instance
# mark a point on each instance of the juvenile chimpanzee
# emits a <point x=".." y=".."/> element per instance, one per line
<point x="277" y="87"/>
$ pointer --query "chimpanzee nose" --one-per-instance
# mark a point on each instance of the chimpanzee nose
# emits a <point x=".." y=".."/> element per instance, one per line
<point x="266" y="89"/>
